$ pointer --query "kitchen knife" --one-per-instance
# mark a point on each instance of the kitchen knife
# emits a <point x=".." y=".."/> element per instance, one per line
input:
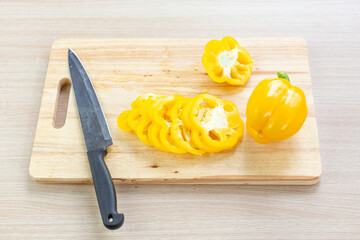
<point x="97" y="139"/>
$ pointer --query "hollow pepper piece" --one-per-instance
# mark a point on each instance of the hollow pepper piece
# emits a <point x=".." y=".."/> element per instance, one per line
<point x="216" y="124"/>
<point x="276" y="110"/>
<point x="226" y="61"/>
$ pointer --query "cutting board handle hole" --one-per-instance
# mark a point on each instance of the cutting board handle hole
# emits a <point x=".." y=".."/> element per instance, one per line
<point x="61" y="105"/>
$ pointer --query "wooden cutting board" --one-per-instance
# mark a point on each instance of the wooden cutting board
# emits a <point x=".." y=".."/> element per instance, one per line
<point x="123" y="69"/>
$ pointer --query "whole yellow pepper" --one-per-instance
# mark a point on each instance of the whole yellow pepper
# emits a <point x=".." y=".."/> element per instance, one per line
<point x="276" y="110"/>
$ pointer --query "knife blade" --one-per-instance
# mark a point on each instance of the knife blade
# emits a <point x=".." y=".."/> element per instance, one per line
<point x="97" y="138"/>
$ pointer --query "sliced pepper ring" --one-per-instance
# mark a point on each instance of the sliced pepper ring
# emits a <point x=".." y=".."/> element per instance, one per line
<point x="198" y="105"/>
<point x="185" y="112"/>
<point x="215" y="134"/>
<point x="161" y="110"/>
<point x="162" y="117"/>
<point x="134" y="119"/>
<point x="168" y="142"/>
<point x="153" y="134"/>
<point x="142" y="130"/>
<point x="179" y="134"/>
<point x="122" y="121"/>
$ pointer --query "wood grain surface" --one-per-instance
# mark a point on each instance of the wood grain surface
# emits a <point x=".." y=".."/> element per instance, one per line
<point x="123" y="69"/>
<point x="328" y="210"/>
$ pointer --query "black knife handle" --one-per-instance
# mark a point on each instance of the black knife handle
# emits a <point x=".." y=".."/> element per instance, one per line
<point x="105" y="191"/>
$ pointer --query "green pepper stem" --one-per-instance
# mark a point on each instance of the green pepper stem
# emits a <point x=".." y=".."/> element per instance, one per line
<point x="283" y="75"/>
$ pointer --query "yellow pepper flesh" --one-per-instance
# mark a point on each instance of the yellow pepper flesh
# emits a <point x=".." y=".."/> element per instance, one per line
<point x="226" y="61"/>
<point x="276" y="110"/>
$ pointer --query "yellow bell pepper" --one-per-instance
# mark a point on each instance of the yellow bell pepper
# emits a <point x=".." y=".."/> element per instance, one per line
<point x="276" y="110"/>
<point x="226" y="61"/>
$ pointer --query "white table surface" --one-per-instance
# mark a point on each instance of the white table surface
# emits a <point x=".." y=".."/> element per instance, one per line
<point x="328" y="210"/>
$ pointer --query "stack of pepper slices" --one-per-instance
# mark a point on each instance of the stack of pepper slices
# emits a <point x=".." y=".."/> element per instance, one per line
<point x="276" y="110"/>
<point x="203" y="124"/>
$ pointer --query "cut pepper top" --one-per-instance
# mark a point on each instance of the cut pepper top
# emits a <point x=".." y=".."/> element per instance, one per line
<point x="226" y="61"/>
